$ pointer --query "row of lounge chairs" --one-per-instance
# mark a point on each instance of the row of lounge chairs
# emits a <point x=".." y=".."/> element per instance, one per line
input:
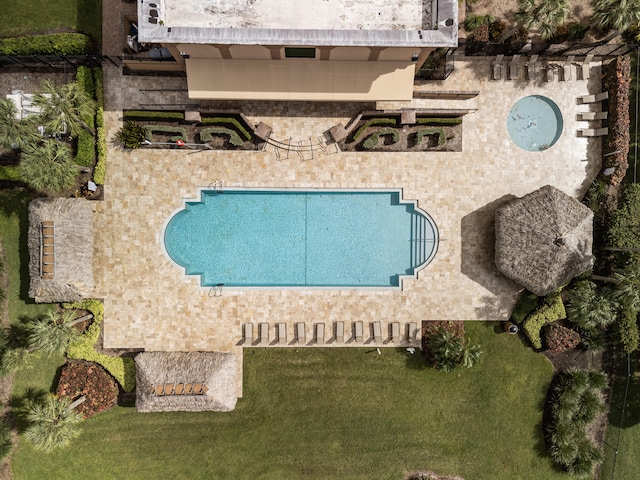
<point x="592" y="115"/>
<point x="549" y="68"/>
<point x="47" y="248"/>
<point x="164" y="389"/>
<point x="376" y="336"/>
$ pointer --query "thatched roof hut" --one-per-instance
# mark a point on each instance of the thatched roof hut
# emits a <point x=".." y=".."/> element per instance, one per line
<point x="217" y="371"/>
<point x="544" y="239"/>
<point x="60" y="240"/>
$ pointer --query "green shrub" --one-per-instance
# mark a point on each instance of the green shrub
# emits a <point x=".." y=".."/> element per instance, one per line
<point x="53" y="44"/>
<point x="100" y="170"/>
<point x="527" y="303"/>
<point x="550" y="311"/>
<point x="228" y="121"/>
<point x="627" y="330"/>
<point x="99" y="86"/>
<point x="420" y="134"/>
<point x="96" y="307"/>
<point x="86" y="151"/>
<point x="439" y="121"/>
<point x="151" y="129"/>
<point x="624" y="231"/>
<point x="371" y="123"/>
<point x="234" y="138"/>
<point x="473" y="21"/>
<point x="372" y="141"/>
<point x="131" y="135"/>
<point x="495" y="30"/>
<point x="100" y="117"/>
<point x="449" y="350"/>
<point x="165" y="114"/>
<point x="10" y="172"/>
<point x="84" y="79"/>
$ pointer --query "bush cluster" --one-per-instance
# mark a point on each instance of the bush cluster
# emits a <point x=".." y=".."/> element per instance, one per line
<point x="448" y="349"/>
<point x="551" y="310"/>
<point x="234" y="138"/>
<point x="576" y="401"/>
<point x="371" y="123"/>
<point x="53" y="44"/>
<point x="480" y="34"/>
<point x="131" y="135"/>
<point x="559" y="339"/>
<point x="92" y="381"/>
<point x="627" y="331"/>
<point x="625" y="223"/>
<point x="617" y="82"/>
<point x="372" y="141"/>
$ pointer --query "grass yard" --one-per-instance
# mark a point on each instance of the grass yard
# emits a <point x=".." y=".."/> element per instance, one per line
<point x="44" y="16"/>
<point x="333" y="413"/>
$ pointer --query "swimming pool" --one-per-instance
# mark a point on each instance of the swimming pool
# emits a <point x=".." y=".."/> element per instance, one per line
<point x="534" y="123"/>
<point x="301" y="238"/>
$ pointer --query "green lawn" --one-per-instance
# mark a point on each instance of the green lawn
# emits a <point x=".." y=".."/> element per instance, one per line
<point x="333" y="413"/>
<point x="44" y="16"/>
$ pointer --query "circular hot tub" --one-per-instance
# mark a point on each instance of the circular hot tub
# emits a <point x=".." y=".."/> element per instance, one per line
<point x="534" y="123"/>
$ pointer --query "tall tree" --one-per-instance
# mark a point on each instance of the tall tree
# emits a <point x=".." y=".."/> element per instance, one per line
<point x="618" y="15"/>
<point x="543" y="15"/>
<point x="14" y="132"/>
<point x="53" y="424"/>
<point x="53" y="333"/>
<point x="61" y="108"/>
<point x="48" y="166"/>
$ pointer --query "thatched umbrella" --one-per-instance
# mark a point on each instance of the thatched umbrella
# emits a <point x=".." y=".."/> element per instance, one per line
<point x="217" y="371"/>
<point x="544" y="239"/>
<point x="71" y="244"/>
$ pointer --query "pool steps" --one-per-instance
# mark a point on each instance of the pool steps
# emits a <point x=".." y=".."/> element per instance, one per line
<point x="377" y="333"/>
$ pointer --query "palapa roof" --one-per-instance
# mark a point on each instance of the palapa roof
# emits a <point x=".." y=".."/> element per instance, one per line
<point x="218" y="371"/>
<point x="544" y="239"/>
<point x="73" y="243"/>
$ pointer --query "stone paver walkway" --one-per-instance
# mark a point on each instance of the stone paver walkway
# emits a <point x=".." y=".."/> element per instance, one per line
<point x="150" y="304"/>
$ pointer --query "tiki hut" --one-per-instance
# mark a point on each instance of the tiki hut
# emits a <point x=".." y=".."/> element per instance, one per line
<point x="189" y="382"/>
<point x="543" y="240"/>
<point x="60" y="240"/>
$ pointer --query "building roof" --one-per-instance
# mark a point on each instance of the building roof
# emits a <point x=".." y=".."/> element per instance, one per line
<point x="544" y="239"/>
<point x="392" y="23"/>
<point x="73" y="246"/>
<point x="218" y="371"/>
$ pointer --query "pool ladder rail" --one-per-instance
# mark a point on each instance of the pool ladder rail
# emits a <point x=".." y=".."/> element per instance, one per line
<point x="216" y="186"/>
<point x="216" y="290"/>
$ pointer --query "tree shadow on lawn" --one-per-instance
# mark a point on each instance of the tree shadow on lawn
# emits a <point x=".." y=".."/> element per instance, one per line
<point x="631" y="416"/>
<point x="20" y="405"/>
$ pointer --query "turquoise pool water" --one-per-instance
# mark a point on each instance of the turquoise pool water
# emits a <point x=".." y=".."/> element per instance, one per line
<point x="534" y="123"/>
<point x="290" y="238"/>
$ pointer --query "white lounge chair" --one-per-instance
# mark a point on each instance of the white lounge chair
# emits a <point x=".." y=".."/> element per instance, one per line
<point x="247" y="333"/>
<point x="357" y="331"/>
<point x="282" y="334"/>
<point x="531" y="67"/>
<point x="586" y="66"/>
<point x="551" y="73"/>
<point x="598" y="97"/>
<point x="264" y="334"/>
<point x="395" y="332"/>
<point x="593" y="132"/>
<point x="566" y="68"/>
<point x="339" y="332"/>
<point x="589" y="116"/>
<point x="513" y="67"/>
<point x="413" y="332"/>
<point x="497" y="67"/>
<point x="377" y="332"/>
<point x="300" y="335"/>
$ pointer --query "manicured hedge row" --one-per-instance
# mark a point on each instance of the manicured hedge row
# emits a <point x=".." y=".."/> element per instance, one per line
<point x="123" y="369"/>
<point x="551" y="310"/>
<point x="627" y="330"/>
<point x="371" y="123"/>
<point x="420" y="134"/>
<point x="234" y="138"/>
<point x="617" y="82"/>
<point x="169" y="115"/>
<point x="438" y="121"/>
<point x="150" y="129"/>
<point x="54" y="44"/>
<point x="625" y="222"/>
<point x="372" y="141"/>
<point x="227" y="121"/>
<point x="100" y="169"/>
<point x="86" y="150"/>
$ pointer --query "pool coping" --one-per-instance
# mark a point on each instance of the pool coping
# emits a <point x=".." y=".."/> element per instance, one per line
<point x="216" y="290"/>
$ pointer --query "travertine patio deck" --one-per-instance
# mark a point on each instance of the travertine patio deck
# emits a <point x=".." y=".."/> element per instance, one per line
<point x="150" y="304"/>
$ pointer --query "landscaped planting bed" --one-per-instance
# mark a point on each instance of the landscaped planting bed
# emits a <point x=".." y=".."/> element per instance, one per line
<point x="386" y="134"/>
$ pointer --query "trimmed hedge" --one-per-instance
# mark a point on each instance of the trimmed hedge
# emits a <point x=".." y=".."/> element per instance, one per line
<point x="101" y="166"/>
<point x="84" y="79"/>
<point x="169" y="115"/>
<point x="527" y="303"/>
<point x="86" y="149"/>
<point x="617" y="82"/>
<point x="624" y="231"/>
<point x="99" y="86"/>
<point x="438" y="121"/>
<point x="123" y="369"/>
<point x="151" y="129"/>
<point x="372" y="141"/>
<point x="550" y="311"/>
<point x="234" y="138"/>
<point x="371" y="123"/>
<point x="420" y="134"/>
<point x="627" y="331"/>
<point x="227" y="121"/>
<point x="54" y="44"/>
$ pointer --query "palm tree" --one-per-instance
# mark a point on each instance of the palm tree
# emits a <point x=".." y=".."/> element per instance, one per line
<point x="53" y="333"/>
<point x="543" y="15"/>
<point x="15" y="359"/>
<point x="48" y="166"/>
<point x="589" y="307"/>
<point x="15" y="133"/>
<point x="54" y="424"/>
<point x="618" y="15"/>
<point x="63" y="107"/>
<point x="626" y="285"/>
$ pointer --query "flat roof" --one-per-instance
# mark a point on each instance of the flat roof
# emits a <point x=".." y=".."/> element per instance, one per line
<point x="399" y="23"/>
